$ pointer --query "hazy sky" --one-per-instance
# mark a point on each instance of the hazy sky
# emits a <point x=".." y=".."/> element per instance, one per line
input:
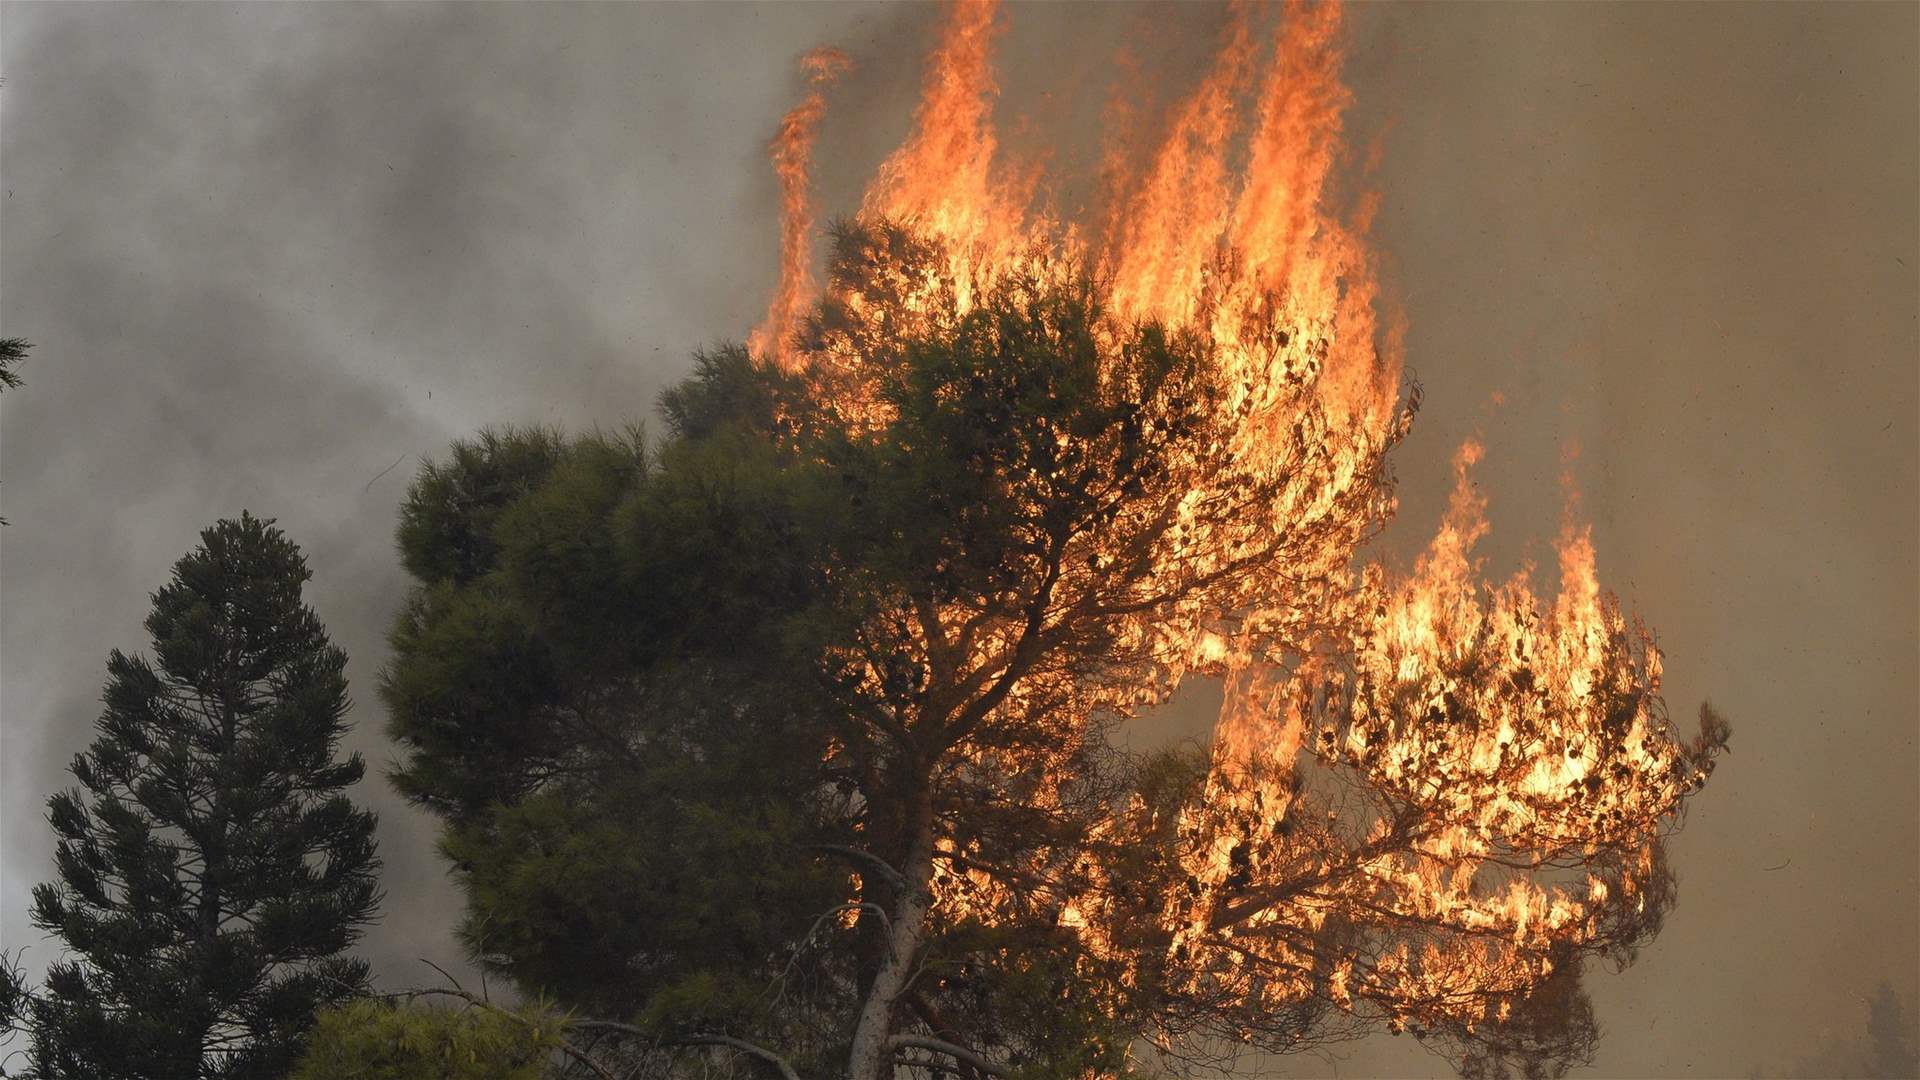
<point x="267" y="252"/>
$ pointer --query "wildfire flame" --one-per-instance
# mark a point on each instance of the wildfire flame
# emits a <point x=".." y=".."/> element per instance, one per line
<point x="1497" y="770"/>
<point x="792" y="161"/>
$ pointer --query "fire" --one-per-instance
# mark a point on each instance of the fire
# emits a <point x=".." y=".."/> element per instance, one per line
<point x="792" y="159"/>
<point x="943" y="179"/>
<point x="1426" y="795"/>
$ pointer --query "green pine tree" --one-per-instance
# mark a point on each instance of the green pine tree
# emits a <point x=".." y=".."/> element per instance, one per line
<point x="211" y="870"/>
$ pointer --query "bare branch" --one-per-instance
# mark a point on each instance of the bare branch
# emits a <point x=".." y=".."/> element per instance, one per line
<point x="745" y="1047"/>
<point x="941" y="1046"/>
<point x="866" y="858"/>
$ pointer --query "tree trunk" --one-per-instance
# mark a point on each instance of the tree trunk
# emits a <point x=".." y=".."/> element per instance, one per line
<point x="872" y="1057"/>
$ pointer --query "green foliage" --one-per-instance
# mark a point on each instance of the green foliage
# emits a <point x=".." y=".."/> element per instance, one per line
<point x="378" y="1040"/>
<point x="1030" y="988"/>
<point x="12" y="351"/>
<point x="588" y="702"/>
<point x="14" y="996"/>
<point x="726" y="391"/>
<point x="446" y="523"/>
<point x="211" y="870"/>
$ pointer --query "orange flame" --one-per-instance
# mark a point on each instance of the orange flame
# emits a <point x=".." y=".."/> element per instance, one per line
<point x="1170" y="229"/>
<point x="792" y="160"/>
<point x="942" y="182"/>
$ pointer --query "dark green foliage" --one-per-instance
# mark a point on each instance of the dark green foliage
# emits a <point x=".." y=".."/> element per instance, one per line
<point x="14" y="995"/>
<point x="376" y="1040"/>
<point x="446" y="524"/>
<point x="1029" y="988"/>
<point x="211" y="870"/>
<point x="727" y="390"/>
<point x="12" y="351"/>
<point x="591" y="710"/>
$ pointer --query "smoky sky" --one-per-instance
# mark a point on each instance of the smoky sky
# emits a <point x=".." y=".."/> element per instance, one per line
<point x="273" y="256"/>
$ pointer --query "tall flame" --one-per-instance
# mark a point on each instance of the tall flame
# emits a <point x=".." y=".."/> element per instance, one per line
<point x="1171" y="227"/>
<point x="792" y="165"/>
<point x="942" y="179"/>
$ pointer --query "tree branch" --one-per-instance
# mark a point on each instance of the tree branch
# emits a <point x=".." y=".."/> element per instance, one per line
<point x="867" y="858"/>
<point x="745" y="1047"/>
<point x="702" y="1039"/>
<point x="941" y="1046"/>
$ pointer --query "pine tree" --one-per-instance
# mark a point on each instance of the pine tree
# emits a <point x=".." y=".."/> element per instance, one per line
<point x="211" y="870"/>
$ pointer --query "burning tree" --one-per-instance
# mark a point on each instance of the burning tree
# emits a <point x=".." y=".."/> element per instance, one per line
<point x="791" y="737"/>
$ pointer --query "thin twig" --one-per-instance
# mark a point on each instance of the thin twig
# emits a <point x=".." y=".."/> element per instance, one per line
<point x="443" y="973"/>
<point x="385" y="471"/>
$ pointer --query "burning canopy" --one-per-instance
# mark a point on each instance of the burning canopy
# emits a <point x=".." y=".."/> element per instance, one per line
<point x="1427" y="798"/>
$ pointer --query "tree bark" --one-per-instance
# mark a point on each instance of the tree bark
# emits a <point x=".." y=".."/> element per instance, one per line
<point x="871" y="1057"/>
